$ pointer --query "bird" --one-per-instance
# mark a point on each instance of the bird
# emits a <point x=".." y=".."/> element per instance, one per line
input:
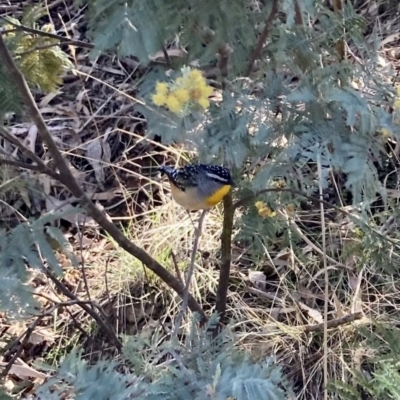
<point x="198" y="186"/>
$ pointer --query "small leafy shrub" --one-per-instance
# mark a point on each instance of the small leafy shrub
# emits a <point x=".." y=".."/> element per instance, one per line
<point x="201" y="367"/>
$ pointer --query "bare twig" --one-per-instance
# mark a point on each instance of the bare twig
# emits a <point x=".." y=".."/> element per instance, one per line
<point x="73" y="317"/>
<point x="39" y="48"/>
<point x="224" y="55"/>
<point x="340" y="45"/>
<point x="83" y="268"/>
<point x="177" y="270"/>
<point x="224" y="52"/>
<point x="7" y="8"/>
<point x="257" y="51"/>
<point x="246" y="199"/>
<point x="106" y="326"/>
<point x="66" y="177"/>
<point x="298" y="18"/>
<point x="226" y="244"/>
<point x="296" y="228"/>
<point x="40" y="165"/>
<point x="4" y="8"/>
<point x="23" y="28"/>
<point x="19" y="164"/>
<point x="28" y="332"/>
<point x="190" y="273"/>
<point x="334" y="323"/>
<point x="62" y="39"/>
<point x="167" y="57"/>
<point x="324" y="257"/>
<point x="314" y="199"/>
<point x="106" y="280"/>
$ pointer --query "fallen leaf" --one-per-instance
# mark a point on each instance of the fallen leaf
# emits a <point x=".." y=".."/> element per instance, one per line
<point x="49" y="97"/>
<point x="41" y="335"/>
<point x="30" y="140"/>
<point x="23" y="370"/>
<point x="258" y="279"/>
<point x="98" y="153"/>
<point x="63" y="206"/>
<point x="338" y="306"/>
<point x="284" y="254"/>
<point x="17" y="329"/>
<point x="314" y="314"/>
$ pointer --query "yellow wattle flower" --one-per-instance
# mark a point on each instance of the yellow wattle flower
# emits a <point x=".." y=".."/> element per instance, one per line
<point x="385" y="132"/>
<point x="196" y="74"/>
<point x="161" y="88"/>
<point x="204" y="102"/>
<point x="188" y="89"/>
<point x="195" y="94"/>
<point x="206" y="90"/>
<point x="259" y="204"/>
<point x="159" y="99"/>
<point x="173" y="104"/>
<point x="266" y="212"/>
<point x="182" y="95"/>
<point x="396" y="104"/>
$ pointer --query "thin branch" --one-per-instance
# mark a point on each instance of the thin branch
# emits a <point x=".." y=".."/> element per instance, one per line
<point x="62" y="39"/>
<point x="19" y="164"/>
<point x="298" y="18"/>
<point x="38" y="48"/>
<point x="66" y="177"/>
<point x="4" y="8"/>
<point x="106" y="327"/>
<point x="340" y="45"/>
<point x="317" y="200"/>
<point x="167" y="57"/>
<point x="334" y="323"/>
<point x="224" y="52"/>
<point x="27" y="334"/>
<point x="190" y="273"/>
<point x="299" y="232"/>
<point x="83" y="269"/>
<point x="268" y="24"/>
<point x="251" y="197"/>
<point x="177" y="270"/>
<point x="224" y="55"/>
<point x="23" y="28"/>
<point x="6" y="31"/>
<point x="226" y="245"/>
<point x="326" y="276"/>
<point x="41" y="166"/>
<point x="76" y="323"/>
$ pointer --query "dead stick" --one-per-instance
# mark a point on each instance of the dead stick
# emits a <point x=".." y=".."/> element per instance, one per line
<point x="334" y="323"/>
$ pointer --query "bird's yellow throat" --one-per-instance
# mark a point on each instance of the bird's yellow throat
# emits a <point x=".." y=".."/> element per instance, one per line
<point x="216" y="197"/>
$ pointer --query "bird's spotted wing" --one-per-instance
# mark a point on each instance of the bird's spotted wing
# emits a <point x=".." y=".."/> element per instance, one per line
<point x="217" y="173"/>
<point x="188" y="176"/>
<point x="180" y="177"/>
